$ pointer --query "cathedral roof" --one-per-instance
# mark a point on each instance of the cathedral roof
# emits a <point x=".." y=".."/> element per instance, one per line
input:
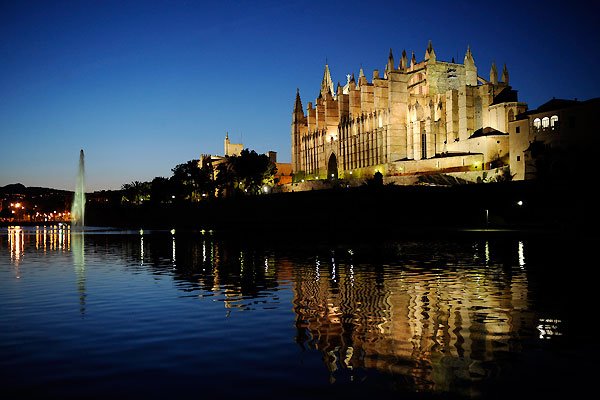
<point x="557" y="104"/>
<point x="554" y="104"/>
<point x="507" y="95"/>
<point x="487" y="131"/>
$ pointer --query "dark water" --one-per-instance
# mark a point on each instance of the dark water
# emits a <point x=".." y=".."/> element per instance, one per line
<point x="171" y="315"/>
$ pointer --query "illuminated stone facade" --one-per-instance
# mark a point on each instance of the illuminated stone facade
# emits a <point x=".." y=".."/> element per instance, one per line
<point x="426" y="116"/>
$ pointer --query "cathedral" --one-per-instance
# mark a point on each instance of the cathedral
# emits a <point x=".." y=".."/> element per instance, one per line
<point x="427" y="116"/>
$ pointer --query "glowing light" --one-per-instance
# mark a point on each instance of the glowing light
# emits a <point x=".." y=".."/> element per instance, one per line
<point x="141" y="231"/>
<point x="350" y="172"/>
<point x="172" y="231"/>
<point x="332" y="175"/>
<point x="520" y="202"/>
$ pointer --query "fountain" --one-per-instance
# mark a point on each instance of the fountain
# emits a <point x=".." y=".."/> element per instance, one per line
<point x="78" y="207"/>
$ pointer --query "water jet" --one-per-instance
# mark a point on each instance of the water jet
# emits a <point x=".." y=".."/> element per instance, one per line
<point x="78" y="206"/>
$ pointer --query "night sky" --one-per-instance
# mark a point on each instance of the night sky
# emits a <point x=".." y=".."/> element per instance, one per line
<point x="144" y="86"/>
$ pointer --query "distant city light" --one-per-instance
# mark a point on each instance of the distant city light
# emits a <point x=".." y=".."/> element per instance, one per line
<point x="172" y="231"/>
<point x="141" y="231"/>
<point x="520" y="202"/>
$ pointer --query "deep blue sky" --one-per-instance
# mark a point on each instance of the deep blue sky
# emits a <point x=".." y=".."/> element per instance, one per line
<point x="143" y="86"/>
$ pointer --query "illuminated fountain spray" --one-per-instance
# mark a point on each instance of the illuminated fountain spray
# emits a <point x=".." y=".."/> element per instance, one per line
<point x="78" y="207"/>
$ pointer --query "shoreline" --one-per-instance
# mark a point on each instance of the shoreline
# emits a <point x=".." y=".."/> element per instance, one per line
<point x="512" y="208"/>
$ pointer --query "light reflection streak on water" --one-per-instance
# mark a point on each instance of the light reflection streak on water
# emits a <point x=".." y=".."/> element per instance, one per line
<point x="173" y="255"/>
<point x="549" y="328"/>
<point x="521" y="254"/>
<point x="141" y="250"/>
<point x="317" y="274"/>
<point x="15" y="240"/>
<point x="333" y="269"/>
<point x="78" y="252"/>
<point x="55" y="238"/>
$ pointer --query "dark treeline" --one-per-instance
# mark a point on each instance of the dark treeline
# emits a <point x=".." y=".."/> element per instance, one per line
<point x="371" y="210"/>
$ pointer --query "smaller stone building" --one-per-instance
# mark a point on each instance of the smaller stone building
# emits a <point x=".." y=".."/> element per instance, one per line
<point x="282" y="176"/>
<point x="557" y="139"/>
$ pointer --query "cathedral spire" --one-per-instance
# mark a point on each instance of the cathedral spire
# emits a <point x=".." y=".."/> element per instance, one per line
<point x="494" y="74"/>
<point x="430" y="53"/>
<point x="403" y="60"/>
<point x="298" y="104"/>
<point x="469" y="57"/>
<point x="505" y="74"/>
<point x="413" y="60"/>
<point x="470" y="68"/>
<point x="326" y="83"/>
<point x="390" y="63"/>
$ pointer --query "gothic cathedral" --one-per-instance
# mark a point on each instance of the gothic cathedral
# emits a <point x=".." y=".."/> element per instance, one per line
<point x="416" y="117"/>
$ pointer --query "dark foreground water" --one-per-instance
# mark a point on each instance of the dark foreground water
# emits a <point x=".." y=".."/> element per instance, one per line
<point x="171" y="315"/>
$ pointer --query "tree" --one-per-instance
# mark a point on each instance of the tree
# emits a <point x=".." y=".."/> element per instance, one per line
<point x="161" y="190"/>
<point x="136" y="192"/>
<point x="247" y="173"/>
<point x="191" y="182"/>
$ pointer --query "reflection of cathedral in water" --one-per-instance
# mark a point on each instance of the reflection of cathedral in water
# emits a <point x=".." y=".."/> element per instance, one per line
<point x="434" y="329"/>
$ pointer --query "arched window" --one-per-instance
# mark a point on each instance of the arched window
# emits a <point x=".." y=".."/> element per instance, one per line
<point x="554" y="121"/>
<point x="537" y="123"/>
<point x="511" y="115"/>
<point x="545" y="122"/>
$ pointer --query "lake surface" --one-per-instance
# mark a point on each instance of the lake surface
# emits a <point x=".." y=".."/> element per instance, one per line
<point x="171" y="314"/>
